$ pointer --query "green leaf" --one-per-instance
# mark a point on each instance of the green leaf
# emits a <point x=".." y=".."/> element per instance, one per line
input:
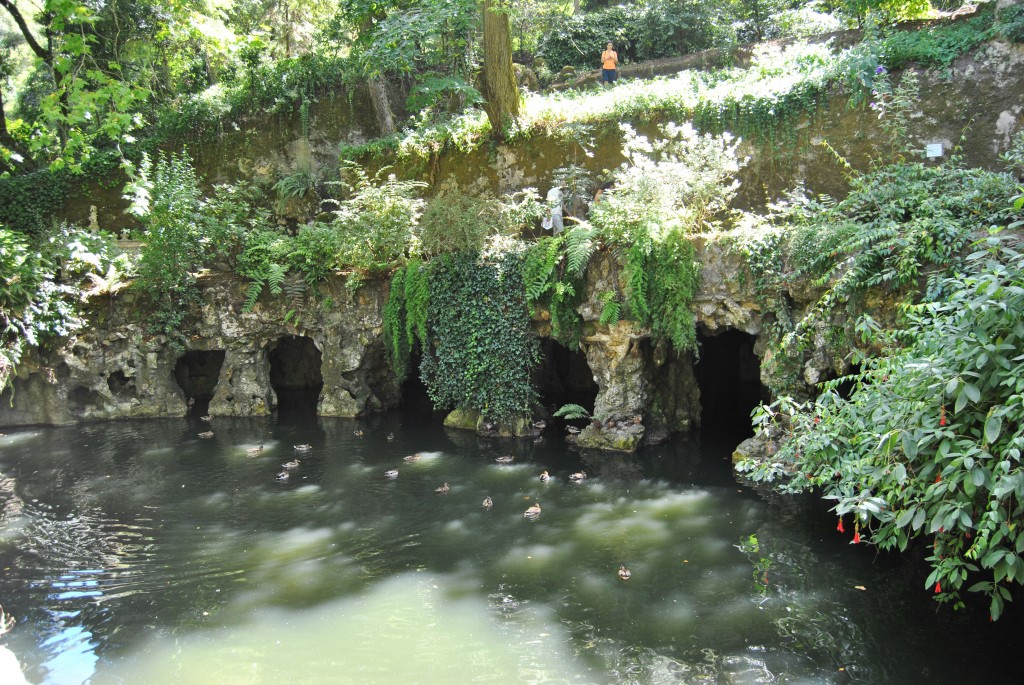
<point x="993" y="427"/>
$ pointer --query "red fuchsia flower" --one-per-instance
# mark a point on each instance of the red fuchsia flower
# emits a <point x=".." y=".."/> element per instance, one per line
<point x="942" y="415"/>
<point x="856" y="537"/>
<point x="938" y="478"/>
<point x="938" y="588"/>
<point x="840" y="526"/>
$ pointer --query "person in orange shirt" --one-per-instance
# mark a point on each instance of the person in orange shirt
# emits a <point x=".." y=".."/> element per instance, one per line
<point x="609" y="64"/>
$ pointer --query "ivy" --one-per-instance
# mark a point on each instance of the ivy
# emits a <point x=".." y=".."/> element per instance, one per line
<point x="483" y="349"/>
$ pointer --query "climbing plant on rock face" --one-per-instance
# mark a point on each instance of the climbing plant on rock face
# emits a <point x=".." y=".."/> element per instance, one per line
<point x="483" y="349"/>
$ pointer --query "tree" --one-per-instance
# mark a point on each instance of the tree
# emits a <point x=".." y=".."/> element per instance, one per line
<point x="501" y="94"/>
<point x="90" y="101"/>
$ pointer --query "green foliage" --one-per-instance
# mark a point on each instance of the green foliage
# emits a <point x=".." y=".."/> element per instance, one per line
<point x="454" y="221"/>
<point x="435" y="94"/>
<point x="483" y="348"/>
<point x="929" y="444"/>
<point x="550" y="282"/>
<point x="936" y="45"/>
<point x="572" y="412"/>
<point x="643" y="31"/>
<point x="42" y="286"/>
<point x="165" y="197"/>
<point x="29" y="201"/>
<point x="1010" y="24"/>
<point x="406" y="314"/>
<point x="377" y="220"/>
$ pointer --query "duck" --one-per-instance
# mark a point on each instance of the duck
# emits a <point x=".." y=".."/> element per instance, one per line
<point x="289" y="465"/>
<point x="391" y="473"/>
<point x="540" y="425"/>
<point x="507" y="459"/>
<point x="391" y="437"/>
<point x="253" y="451"/>
<point x="533" y="511"/>
<point x="488" y="503"/>
<point x="578" y="477"/>
<point x="358" y="433"/>
<point x="206" y="419"/>
<point x="573" y="430"/>
<point x="544" y="477"/>
<point x="443" y="490"/>
<point x="624" y="573"/>
<point x="304" y="447"/>
<point x="206" y="435"/>
<point x="282" y="476"/>
<point x="413" y="457"/>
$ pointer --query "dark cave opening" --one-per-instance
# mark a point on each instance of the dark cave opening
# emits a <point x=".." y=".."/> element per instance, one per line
<point x="295" y="376"/>
<point x="197" y="373"/>
<point x="729" y="377"/>
<point x="415" y="399"/>
<point x="564" y="377"/>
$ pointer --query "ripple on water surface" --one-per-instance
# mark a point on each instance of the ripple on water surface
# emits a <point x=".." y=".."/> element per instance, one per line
<point x="139" y="553"/>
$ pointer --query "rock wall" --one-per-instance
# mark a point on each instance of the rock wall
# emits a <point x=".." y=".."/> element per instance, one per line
<point x="114" y="369"/>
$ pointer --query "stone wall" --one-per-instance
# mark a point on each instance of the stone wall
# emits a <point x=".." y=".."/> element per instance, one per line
<point x="114" y="369"/>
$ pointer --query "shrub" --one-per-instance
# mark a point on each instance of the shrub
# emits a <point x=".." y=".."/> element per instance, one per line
<point x="640" y="32"/>
<point x="376" y="221"/>
<point x="165" y="196"/>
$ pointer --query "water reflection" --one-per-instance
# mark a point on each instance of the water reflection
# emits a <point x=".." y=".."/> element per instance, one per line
<point x="140" y="553"/>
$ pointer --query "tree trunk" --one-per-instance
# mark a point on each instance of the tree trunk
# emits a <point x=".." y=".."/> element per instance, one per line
<point x="381" y="106"/>
<point x="501" y="95"/>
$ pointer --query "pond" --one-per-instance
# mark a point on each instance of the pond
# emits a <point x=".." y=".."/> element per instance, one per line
<point x="141" y="553"/>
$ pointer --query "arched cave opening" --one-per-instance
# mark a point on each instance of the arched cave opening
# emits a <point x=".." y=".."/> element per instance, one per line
<point x="197" y="372"/>
<point x="295" y="376"/>
<point x="564" y="377"/>
<point x="729" y="377"/>
<point x="415" y="397"/>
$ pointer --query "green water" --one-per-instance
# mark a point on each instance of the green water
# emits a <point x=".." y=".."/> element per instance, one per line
<point x="139" y="553"/>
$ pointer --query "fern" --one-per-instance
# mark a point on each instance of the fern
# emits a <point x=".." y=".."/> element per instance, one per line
<point x="417" y="300"/>
<point x="252" y="295"/>
<point x="572" y="412"/>
<point x="610" y="309"/>
<point x="579" y="246"/>
<point x="275" y="278"/>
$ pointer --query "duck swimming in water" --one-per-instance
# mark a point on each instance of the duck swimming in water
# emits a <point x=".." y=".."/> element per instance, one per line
<point x="282" y="476"/>
<point x="488" y="503"/>
<point x="544" y="477"/>
<point x="206" y="419"/>
<point x="304" y="447"/>
<point x="443" y="490"/>
<point x="532" y="512"/>
<point x="391" y="473"/>
<point x="206" y="435"/>
<point x="624" y="573"/>
<point x="413" y="457"/>
<point x="358" y="433"/>
<point x="289" y="465"/>
<point x="578" y="477"/>
<point x="253" y="451"/>
<point x="507" y="459"/>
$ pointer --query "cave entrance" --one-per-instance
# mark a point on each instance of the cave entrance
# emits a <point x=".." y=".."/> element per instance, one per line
<point x="564" y="377"/>
<point x="197" y="373"/>
<point x="415" y="398"/>
<point x="295" y="376"/>
<point x="729" y="377"/>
